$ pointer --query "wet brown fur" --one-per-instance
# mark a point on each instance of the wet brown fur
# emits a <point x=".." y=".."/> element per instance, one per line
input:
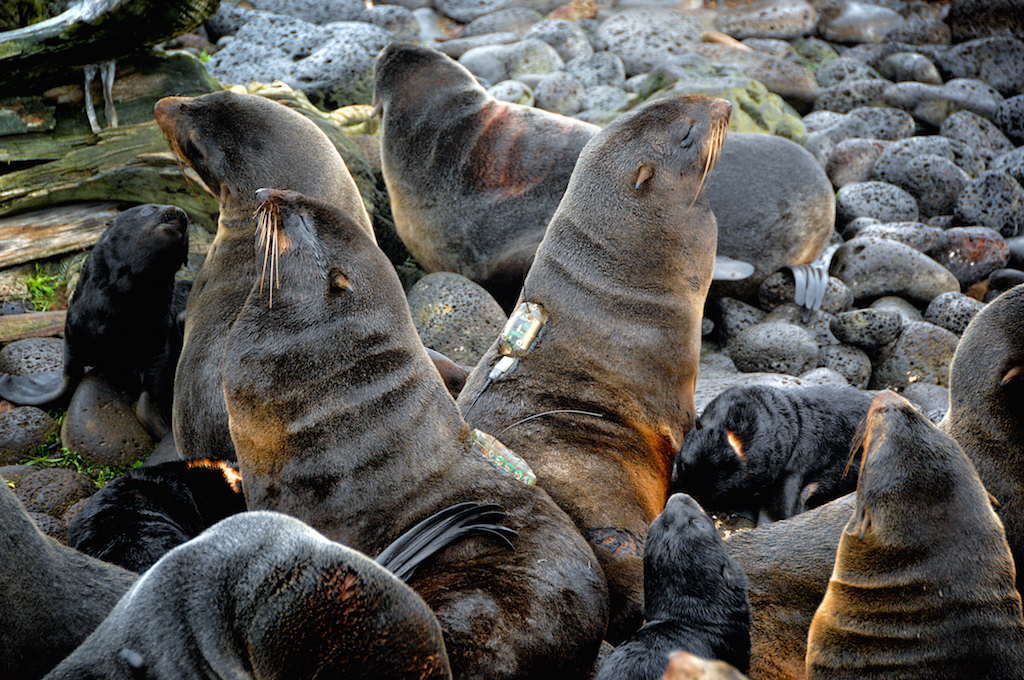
<point x="237" y="144"/>
<point x="623" y="271"/>
<point x="923" y="583"/>
<point x="340" y="419"/>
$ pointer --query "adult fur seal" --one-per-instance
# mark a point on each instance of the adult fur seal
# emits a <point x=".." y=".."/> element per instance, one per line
<point x="237" y="143"/>
<point x="118" y="321"/>
<point x="767" y="453"/>
<point x="51" y="596"/>
<point x="622" y="276"/>
<point x="261" y="594"/>
<point x="923" y="584"/>
<point x="695" y="598"/>
<point x="788" y="563"/>
<point x="472" y="180"/>
<point x="136" y="518"/>
<point x="340" y="419"/>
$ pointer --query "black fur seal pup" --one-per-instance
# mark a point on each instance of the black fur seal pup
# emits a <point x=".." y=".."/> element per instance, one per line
<point x="237" y="143"/>
<point x="136" y="518"/>
<point x="695" y="598"/>
<point x="767" y="453"/>
<point x="51" y="596"/>
<point x="473" y="181"/>
<point x="339" y="418"/>
<point x="263" y="595"/>
<point x="923" y="584"/>
<point x="118" y="317"/>
<point x="621" y="277"/>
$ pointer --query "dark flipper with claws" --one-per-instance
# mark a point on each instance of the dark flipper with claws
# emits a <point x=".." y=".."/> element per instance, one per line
<point x="34" y="389"/>
<point x="440" y="530"/>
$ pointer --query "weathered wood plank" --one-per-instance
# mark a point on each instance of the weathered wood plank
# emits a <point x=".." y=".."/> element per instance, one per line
<point x="53" y="231"/>
<point x="32" y="325"/>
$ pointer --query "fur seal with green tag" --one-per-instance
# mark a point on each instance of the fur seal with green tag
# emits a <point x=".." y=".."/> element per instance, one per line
<point x="923" y="583"/>
<point x="621" y="277"/>
<point x="339" y="418"/>
<point x="237" y="144"/>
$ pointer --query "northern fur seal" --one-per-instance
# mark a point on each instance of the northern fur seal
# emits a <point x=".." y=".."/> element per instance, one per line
<point x="768" y="453"/>
<point x="622" y="275"/>
<point x="261" y="594"/>
<point x="118" y="318"/>
<point x="472" y="180"/>
<point x="237" y="143"/>
<point x="51" y="596"/>
<point x="136" y="518"/>
<point x="339" y="418"/>
<point x="923" y="584"/>
<point x="788" y="563"/>
<point x="695" y="598"/>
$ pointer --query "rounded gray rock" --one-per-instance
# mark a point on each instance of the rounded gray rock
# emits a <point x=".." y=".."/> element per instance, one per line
<point x="844" y="69"/>
<point x="605" y="98"/>
<point x="780" y="289"/>
<point x="566" y="37"/>
<point x="314" y="11"/>
<point x="495" y="63"/>
<point x="455" y="316"/>
<point x="101" y="426"/>
<point x="904" y="307"/>
<point x="917" y="235"/>
<point x="933" y="400"/>
<point x="824" y="376"/>
<point x="971" y="254"/>
<point x="774" y="348"/>
<point x="891" y="166"/>
<point x="952" y="311"/>
<point x="886" y="123"/>
<point x="32" y="355"/>
<point x="465" y="11"/>
<point x="875" y="267"/>
<point x="996" y="200"/>
<point x="822" y="142"/>
<point x="736" y="316"/>
<point x="23" y="430"/>
<point x="783" y="19"/>
<point x="51" y="526"/>
<point x="857" y="22"/>
<point x="883" y="201"/>
<point x="1009" y="116"/>
<point x="340" y="72"/>
<point x="853" y="94"/>
<point x="980" y="134"/>
<point x="512" y="91"/>
<point x="512" y="20"/>
<point x="852" y="161"/>
<point x="398" y="21"/>
<point x="867" y="328"/>
<point x="643" y="38"/>
<point x="51" y="491"/>
<point x="600" y="68"/>
<point x="904" y="66"/>
<point x="774" y="205"/>
<point x="969" y="19"/>
<point x="850" y="362"/>
<point x="559" y="93"/>
<point x="998" y="61"/>
<point x="920" y="355"/>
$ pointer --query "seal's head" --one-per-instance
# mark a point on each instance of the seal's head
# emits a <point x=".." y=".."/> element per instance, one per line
<point x="410" y="72"/>
<point x="686" y="562"/>
<point x="151" y="240"/>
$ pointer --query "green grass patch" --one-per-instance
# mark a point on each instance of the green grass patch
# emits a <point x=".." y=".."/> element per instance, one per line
<point x="42" y="289"/>
<point x="53" y="455"/>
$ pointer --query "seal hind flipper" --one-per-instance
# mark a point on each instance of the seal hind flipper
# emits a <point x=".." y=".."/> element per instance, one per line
<point x="34" y="389"/>
<point x="440" y="530"/>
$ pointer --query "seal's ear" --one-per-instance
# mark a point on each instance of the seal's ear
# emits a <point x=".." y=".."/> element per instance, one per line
<point x="993" y="501"/>
<point x="643" y="173"/>
<point x="736" y="444"/>
<point x="1015" y="373"/>
<point x="339" y="281"/>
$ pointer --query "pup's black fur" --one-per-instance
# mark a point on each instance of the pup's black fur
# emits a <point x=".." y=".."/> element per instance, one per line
<point x="769" y="453"/>
<point x="136" y="518"/>
<point x="118" y="319"/>
<point x="695" y="598"/>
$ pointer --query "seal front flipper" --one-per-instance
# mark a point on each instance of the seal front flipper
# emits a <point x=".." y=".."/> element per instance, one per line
<point x="34" y="389"/>
<point x="440" y="530"/>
